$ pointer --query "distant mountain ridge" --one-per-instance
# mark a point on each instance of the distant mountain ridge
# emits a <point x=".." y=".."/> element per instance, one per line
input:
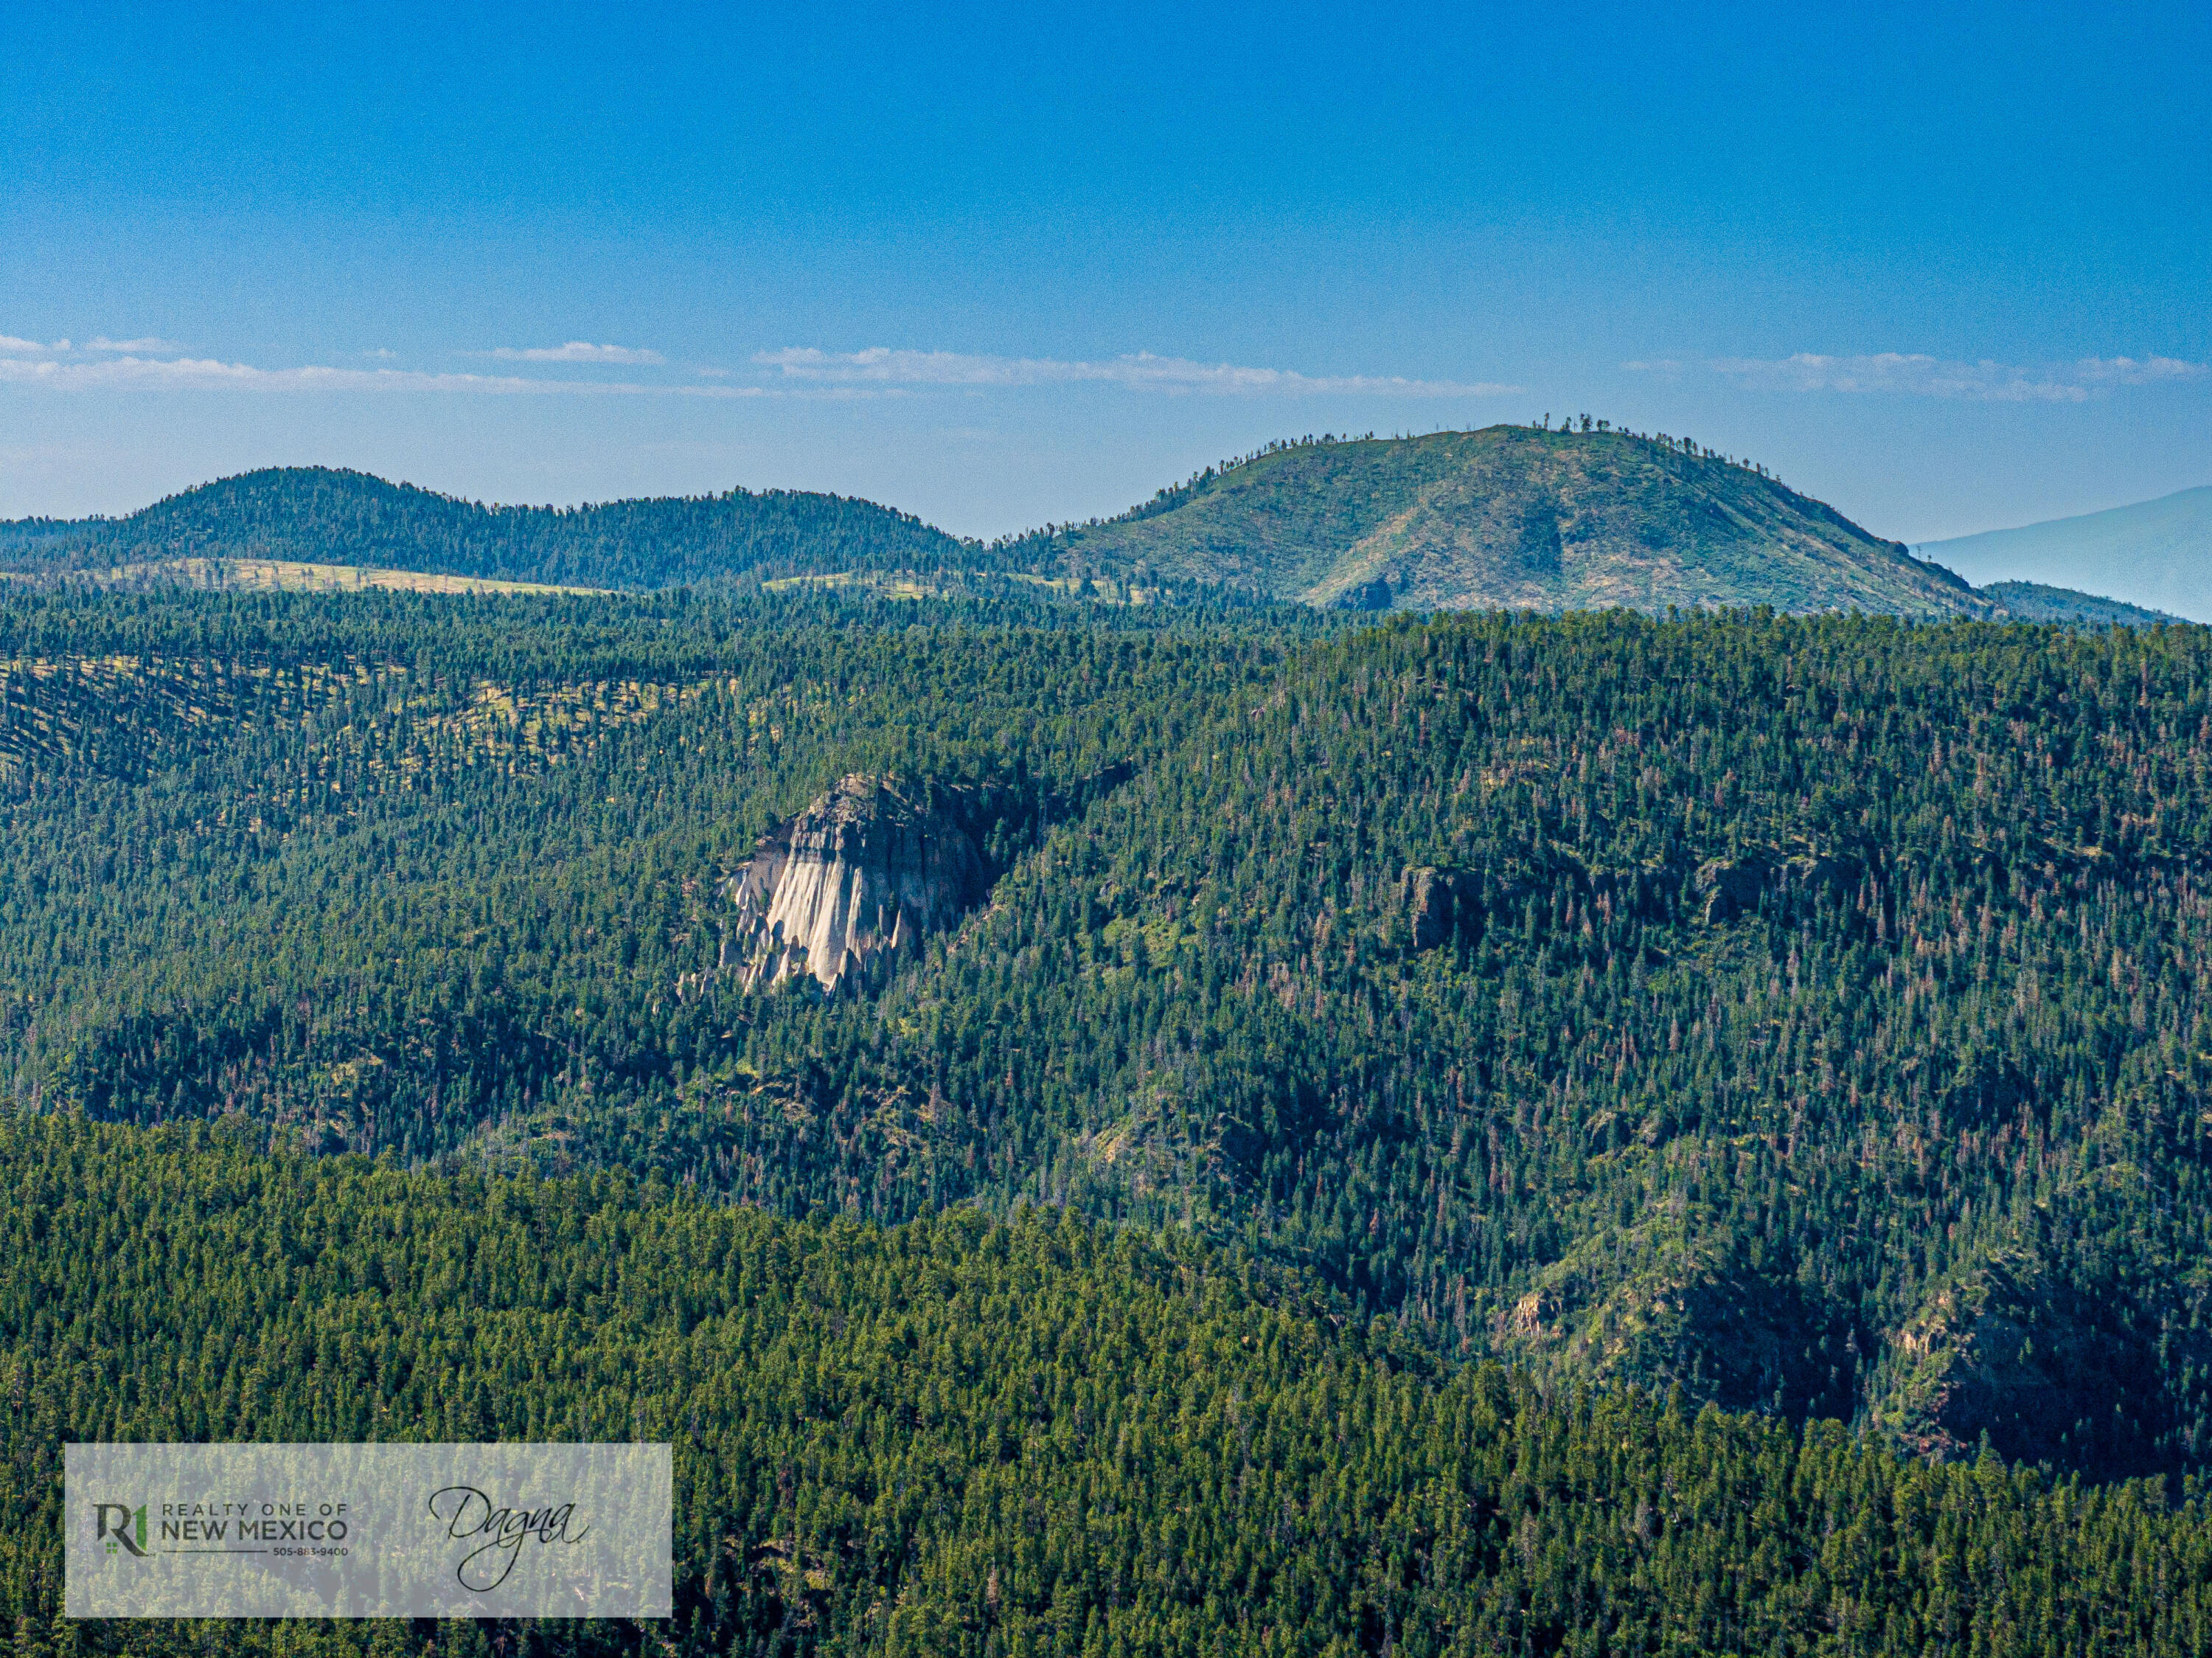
<point x="2032" y="601"/>
<point x="1505" y="518"/>
<point x="2154" y="553"/>
<point x="324" y="515"/>
<point x="1513" y="517"/>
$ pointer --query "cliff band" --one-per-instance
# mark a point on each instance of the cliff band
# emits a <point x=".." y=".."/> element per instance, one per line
<point x="867" y="870"/>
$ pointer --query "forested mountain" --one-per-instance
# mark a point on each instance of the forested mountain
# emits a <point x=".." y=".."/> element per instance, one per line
<point x="2151" y="553"/>
<point x="2032" y="601"/>
<point x="960" y="1438"/>
<point x="1805" y="1012"/>
<point x="317" y="515"/>
<point x="1513" y="517"/>
<point x="18" y="535"/>
<point x="1510" y="517"/>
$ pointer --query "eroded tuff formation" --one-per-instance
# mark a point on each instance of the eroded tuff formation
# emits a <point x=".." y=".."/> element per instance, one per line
<point x="865" y="872"/>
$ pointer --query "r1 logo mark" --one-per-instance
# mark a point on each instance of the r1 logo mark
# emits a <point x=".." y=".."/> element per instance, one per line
<point x="113" y="1523"/>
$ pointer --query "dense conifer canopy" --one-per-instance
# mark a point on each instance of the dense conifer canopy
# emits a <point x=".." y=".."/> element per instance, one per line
<point x="961" y="1437"/>
<point x="1798" y="1017"/>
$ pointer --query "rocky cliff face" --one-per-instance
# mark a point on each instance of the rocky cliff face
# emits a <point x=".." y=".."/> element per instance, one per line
<point x="862" y="875"/>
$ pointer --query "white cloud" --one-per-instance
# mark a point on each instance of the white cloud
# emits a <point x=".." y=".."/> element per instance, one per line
<point x="882" y="366"/>
<point x="576" y="350"/>
<point x="200" y="373"/>
<point x="2136" y="371"/>
<point x="9" y="343"/>
<point x="796" y="372"/>
<point x="1916" y="375"/>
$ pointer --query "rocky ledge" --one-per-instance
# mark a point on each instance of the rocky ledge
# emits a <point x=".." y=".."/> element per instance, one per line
<point x="860" y="877"/>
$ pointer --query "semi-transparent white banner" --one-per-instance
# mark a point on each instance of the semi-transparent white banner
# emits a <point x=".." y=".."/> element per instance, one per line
<point x="367" y="1531"/>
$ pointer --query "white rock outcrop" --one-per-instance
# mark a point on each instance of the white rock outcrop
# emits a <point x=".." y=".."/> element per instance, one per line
<point x="865" y="872"/>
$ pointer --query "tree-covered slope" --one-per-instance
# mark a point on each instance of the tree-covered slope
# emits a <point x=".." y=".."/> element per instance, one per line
<point x="1512" y="517"/>
<point x="1809" y="1012"/>
<point x="965" y="1438"/>
<point x="2032" y="601"/>
<point x="316" y="515"/>
<point x="1509" y="518"/>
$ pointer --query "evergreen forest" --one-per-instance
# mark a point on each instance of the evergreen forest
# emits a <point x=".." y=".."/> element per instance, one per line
<point x="1459" y="1132"/>
<point x="1039" y="1435"/>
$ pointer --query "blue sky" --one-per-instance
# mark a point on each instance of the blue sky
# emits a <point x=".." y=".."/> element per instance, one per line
<point x="1947" y="267"/>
